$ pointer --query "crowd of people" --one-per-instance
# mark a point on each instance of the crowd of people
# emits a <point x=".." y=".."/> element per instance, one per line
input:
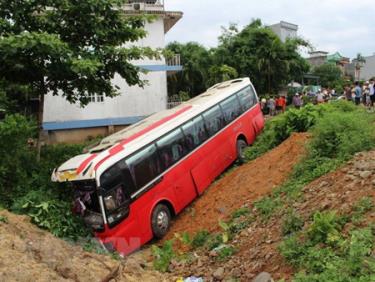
<point x="273" y="105"/>
<point x="357" y="93"/>
<point x="361" y="93"/>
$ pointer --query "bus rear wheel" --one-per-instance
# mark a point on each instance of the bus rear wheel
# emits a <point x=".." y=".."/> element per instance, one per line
<point x="160" y="221"/>
<point x="241" y="146"/>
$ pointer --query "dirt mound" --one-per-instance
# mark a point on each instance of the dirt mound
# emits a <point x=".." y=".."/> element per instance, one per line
<point x="242" y="186"/>
<point x="340" y="191"/>
<point x="30" y="254"/>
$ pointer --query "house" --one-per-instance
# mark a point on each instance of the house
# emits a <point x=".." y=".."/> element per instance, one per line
<point x="285" y="30"/>
<point x="318" y="58"/>
<point x="65" y="122"/>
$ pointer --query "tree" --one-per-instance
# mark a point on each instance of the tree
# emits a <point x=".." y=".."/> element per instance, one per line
<point x="256" y="51"/>
<point x="330" y="75"/>
<point x="196" y="60"/>
<point x="67" y="47"/>
<point x="217" y="74"/>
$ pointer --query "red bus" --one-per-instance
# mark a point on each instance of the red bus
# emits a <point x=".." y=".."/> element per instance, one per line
<point x="133" y="182"/>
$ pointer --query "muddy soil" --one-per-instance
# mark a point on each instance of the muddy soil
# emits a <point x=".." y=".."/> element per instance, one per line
<point x="240" y="187"/>
<point x="257" y="245"/>
<point x="28" y="253"/>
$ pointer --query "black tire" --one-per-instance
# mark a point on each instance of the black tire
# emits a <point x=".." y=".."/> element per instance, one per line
<point x="160" y="221"/>
<point x="241" y="146"/>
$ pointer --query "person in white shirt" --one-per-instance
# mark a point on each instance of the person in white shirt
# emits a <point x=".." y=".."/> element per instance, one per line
<point x="372" y="93"/>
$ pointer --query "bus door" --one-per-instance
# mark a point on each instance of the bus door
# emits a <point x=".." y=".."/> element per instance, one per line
<point x="198" y="164"/>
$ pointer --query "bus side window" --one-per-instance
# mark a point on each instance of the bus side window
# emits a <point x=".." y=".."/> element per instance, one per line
<point x="145" y="166"/>
<point x="231" y="108"/>
<point x="172" y="148"/>
<point x="245" y="98"/>
<point x="195" y="132"/>
<point x="214" y="120"/>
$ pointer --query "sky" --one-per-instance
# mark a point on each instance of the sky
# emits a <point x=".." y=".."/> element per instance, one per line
<point x="346" y="26"/>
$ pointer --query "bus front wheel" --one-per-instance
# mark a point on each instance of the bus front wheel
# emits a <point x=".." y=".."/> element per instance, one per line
<point x="161" y="221"/>
<point x="241" y="146"/>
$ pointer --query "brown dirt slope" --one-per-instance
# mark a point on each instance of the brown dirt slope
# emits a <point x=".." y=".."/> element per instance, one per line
<point x="339" y="191"/>
<point x="242" y="186"/>
<point x="30" y="254"/>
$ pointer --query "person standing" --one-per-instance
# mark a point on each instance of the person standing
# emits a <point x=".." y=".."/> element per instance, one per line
<point x="283" y="103"/>
<point x="272" y="106"/>
<point x="372" y="94"/>
<point x="365" y="93"/>
<point x="357" y="93"/>
<point x="279" y="105"/>
<point x="297" y="101"/>
<point x="319" y="97"/>
<point x="263" y="106"/>
<point x="348" y="93"/>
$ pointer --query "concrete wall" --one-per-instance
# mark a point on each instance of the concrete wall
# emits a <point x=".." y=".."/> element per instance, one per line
<point x="317" y="61"/>
<point x="133" y="101"/>
<point x="285" y="30"/>
<point x="80" y="135"/>
<point x="367" y="71"/>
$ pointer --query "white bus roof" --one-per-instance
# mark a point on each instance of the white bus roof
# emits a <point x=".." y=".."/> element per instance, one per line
<point x="118" y="145"/>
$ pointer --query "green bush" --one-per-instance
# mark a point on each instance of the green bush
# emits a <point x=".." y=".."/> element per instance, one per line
<point x="50" y="213"/>
<point x="17" y="160"/>
<point x="200" y="238"/>
<point x="341" y="134"/>
<point x="240" y="212"/>
<point x="325" y="227"/>
<point x="351" y="261"/>
<point x="293" y="249"/>
<point x="267" y="205"/>
<point x="25" y="185"/>
<point x="225" y="252"/>
<point x="341" y="130"/>
<point x="363" y="206"/>
<point x="291" y="223"/>
<point x="281" y="127"/>
<point x="163" y="256"/>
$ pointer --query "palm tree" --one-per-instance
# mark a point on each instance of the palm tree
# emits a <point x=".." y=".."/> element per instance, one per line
<point x="359" y="62"/>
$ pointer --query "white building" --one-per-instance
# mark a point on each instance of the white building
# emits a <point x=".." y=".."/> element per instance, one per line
<point x="65" y="122"/>
<point x="285" y="30"/>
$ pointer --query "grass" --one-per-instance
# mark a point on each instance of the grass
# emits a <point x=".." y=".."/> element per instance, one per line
<point x="200" y="239"/>
<point x="338" y="131"/>
<point x="292" y="223"/>
<point x="323" y="252"/>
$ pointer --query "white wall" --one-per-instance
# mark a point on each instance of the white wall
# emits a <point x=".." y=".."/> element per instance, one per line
<point x="368" y="70"/>
<point x="133" y="101"/>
